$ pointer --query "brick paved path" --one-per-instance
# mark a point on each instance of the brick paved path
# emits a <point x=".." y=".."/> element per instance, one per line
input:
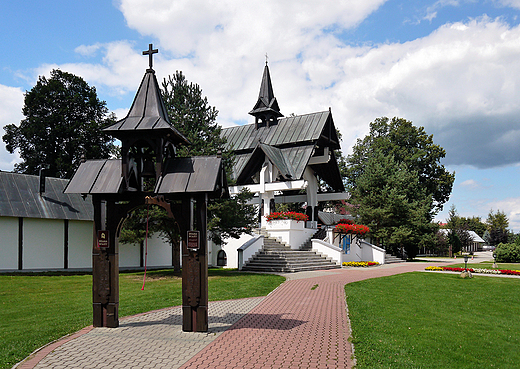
<point x="302" y="324"/>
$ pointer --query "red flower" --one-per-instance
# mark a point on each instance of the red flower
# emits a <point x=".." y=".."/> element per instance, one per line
<point x="287" y="215"/>
<point x="352" y="229"/>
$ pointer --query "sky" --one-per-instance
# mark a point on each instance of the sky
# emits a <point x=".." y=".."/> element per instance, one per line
<point x="450" y="66"/>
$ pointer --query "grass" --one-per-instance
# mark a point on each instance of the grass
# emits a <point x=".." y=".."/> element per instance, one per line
<point x="37" y="309"/>
<point x="432" y="320"/>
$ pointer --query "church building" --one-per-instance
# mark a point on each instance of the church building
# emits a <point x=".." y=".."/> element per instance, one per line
<point x="285" y="159"/>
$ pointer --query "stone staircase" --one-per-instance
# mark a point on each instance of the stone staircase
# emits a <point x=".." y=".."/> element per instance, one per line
<point x="276" y="257"/>
<point x="390" y="259"/>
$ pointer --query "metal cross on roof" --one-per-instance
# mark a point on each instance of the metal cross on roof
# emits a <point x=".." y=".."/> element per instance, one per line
<point x="150" y="52"/>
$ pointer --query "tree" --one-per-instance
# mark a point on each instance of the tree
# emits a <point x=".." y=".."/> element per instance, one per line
<point x="409" y="145"/>
<point x="231" y="217"/>
<point x="191" y="114"/>
<point x="458" y="231"/>
<point x="397" y="184"/>
<point x="389" y="199"/>
<point x="62" y="125"/>
<point x="497" y="224"/>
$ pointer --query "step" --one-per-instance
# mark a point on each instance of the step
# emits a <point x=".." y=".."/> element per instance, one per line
<point x="276" y="257"/>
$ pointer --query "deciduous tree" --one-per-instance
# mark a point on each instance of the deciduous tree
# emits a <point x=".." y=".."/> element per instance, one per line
<point x="62" y="125"/>
<point x="388" y="198"/>
<point x="409" y="145"/>
<point x="397" y="184"/>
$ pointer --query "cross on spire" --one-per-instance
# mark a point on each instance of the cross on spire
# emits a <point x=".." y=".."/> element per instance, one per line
<point x="150" y="53"/>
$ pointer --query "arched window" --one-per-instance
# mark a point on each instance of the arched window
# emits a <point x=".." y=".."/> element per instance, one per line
<point x="221" y="258"/>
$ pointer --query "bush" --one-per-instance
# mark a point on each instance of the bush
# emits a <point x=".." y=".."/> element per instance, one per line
<point x="508" y="253"/>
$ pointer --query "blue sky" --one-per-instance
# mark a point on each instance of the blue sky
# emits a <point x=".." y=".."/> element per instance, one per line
<point x="452" y="66"/>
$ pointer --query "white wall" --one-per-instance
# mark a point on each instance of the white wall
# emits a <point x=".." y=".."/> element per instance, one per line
<point x="81" y="235"/>
<point x="159" y="252"/>
<point x="43" y="241"/>
<point x="231" y="248"/>
<point x="129" y="255"/>
<point x="8" y="243"/>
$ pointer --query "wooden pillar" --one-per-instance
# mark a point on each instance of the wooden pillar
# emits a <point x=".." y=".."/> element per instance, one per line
<point x="105" y="266"/>
<point x="195" y="268"/>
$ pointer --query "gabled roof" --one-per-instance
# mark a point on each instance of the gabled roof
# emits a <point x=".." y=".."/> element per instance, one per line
<point x="20" y="197"/>
<point x="290" y="161"/>
<point x="289" y="145"/>
<point x="474" y="236"/>
<point x="290" y="131"/>
<point x="147" y="114"/>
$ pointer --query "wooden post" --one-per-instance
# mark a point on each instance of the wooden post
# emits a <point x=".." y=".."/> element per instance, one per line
<point x="105" y="266"/>
<point x="195" y="269"/>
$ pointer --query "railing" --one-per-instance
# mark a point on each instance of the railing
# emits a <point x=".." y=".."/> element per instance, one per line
<point x="249" y="249"/>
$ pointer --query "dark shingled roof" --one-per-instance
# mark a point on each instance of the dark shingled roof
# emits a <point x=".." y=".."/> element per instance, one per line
<point x="289" y="144"/>
<point x="19" y="197"/>
<point x="182" y="175"/>
<point x="148" y="113"/>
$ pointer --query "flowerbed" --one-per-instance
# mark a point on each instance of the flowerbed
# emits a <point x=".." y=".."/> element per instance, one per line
<point x="360" y="263"/>
<point x="475" y="270"/>
<point x="347" y="226"/>
<point x="287" y="215"/>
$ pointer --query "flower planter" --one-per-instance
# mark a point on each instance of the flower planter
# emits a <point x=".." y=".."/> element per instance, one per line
<point x="285" y="224"/>
<point x="291" y="232"/>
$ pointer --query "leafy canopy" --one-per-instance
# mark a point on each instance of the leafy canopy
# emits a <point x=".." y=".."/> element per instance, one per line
<point x="389" y="199"/>
<point x="62" y="125"/>
<point x="409" y="145"/>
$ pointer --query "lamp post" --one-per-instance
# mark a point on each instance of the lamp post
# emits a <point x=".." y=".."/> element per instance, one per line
<point x="466" y="262"/>
<point x="494" y="260"/>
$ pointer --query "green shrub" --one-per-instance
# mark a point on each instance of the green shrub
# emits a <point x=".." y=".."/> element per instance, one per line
<point x="508" y="253"/>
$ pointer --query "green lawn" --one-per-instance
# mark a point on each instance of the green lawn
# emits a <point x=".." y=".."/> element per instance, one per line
<point x="37" y="309"/>
<point x="434" y="320"/>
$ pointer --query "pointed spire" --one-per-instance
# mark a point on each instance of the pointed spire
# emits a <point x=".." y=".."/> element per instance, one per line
<point x="266" y="109"/>
<point x="147" y="114"/>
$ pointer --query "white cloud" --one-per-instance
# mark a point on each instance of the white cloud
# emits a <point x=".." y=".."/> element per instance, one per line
<point x="11" y="103"/>
<point x="470" y="184"/>
<point x="511" y="3"/>
<point x="460" y="82"/>
<point x="511" y="207"/>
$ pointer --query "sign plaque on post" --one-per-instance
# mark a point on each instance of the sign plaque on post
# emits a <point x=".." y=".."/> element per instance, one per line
<point x="102" y="239"/>
<point x="193" y="240"/>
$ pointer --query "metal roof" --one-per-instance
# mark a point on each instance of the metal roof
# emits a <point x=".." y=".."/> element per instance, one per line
<point x="291" y="161"/>
<point x="19" y="197"/>
<point x="289" y="131"/>
<point x="148" y="113"/>
<point x="195" y="174"/>
<point x="182" y="175"/>
<point x="101" y="176"/>
<point x="289" y="145"/>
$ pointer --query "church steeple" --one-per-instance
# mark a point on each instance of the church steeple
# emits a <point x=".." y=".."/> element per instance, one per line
<point x="266" y="110"/>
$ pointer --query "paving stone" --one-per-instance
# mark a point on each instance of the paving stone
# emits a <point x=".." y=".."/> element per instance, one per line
<point x="294" y="327"/>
